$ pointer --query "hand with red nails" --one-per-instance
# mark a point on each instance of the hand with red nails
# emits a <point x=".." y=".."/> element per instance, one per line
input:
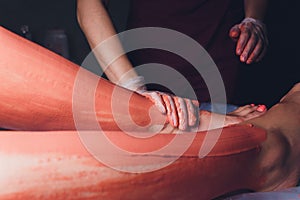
<point x="182" y="113"/>
<point x="252" y="40"/>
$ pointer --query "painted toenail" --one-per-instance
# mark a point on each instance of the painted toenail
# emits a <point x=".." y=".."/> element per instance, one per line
<point x="261" y="108"/>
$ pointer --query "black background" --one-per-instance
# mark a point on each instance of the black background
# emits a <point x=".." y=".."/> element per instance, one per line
<point x="262" y="83"/>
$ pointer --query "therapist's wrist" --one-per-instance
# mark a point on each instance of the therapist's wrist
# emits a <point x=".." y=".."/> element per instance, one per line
<point x="254" y="21"/>
<point x="136" y="84"/>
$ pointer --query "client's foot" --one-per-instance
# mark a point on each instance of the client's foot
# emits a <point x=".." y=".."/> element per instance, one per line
<point x="210" y="120"/>
<point x="248" y="111"/>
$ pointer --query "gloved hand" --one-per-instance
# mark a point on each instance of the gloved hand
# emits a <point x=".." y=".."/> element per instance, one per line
<point x="252" y="41"/>
<point x="182" y="113"/>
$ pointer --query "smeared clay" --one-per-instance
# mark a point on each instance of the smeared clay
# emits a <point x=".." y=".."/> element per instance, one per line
<point x="37" y="94"/>
<point x="56" y="165"/>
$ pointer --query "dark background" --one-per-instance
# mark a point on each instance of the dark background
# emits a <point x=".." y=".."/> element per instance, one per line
<point x="262" y="83"/>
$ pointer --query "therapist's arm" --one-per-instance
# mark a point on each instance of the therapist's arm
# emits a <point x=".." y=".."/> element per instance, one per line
<point x="256" y="9"/>
<point x="97" y="27"/>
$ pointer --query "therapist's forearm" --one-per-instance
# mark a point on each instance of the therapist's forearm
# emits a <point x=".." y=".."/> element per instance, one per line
<point x="256" y="9"/>
<point x="97" y="27"/>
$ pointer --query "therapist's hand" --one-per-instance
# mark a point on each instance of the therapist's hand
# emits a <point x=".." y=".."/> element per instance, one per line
<point x="182" y="113"/>
<point x="252" y="41"/>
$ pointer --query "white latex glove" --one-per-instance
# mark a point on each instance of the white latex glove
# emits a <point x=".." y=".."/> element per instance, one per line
<point x="182" y="113"/>
<point x="252" y="40"/>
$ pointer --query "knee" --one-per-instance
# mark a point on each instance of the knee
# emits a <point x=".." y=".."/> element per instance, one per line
<point x="276" y="155"/>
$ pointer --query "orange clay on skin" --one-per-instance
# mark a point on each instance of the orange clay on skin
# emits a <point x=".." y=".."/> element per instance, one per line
<point x="35" y="162"/>
<point x="45" y="83"/>
<point x="36" y="94"/>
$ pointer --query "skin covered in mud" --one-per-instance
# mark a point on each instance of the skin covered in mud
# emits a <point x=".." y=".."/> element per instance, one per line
<point x="58" y="166"/>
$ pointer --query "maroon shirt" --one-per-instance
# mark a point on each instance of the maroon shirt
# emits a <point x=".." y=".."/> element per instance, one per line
<point x="206" y="21"/>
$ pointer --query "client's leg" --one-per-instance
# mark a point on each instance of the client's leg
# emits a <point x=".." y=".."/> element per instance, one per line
<point x="210" y="120"/>
<point x="33" y="162"/>
<point x="280" y="156"/>
<point x="56" y="165"/>
<point x="43" y="91"/>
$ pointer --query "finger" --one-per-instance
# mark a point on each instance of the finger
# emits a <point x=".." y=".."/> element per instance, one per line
<point x="262" y="54"/>
<point x="255" y="53"/>
<point x="243" y="39"/>
<point x="193" y="112"/>
<point x="196" y="103"/>
<point x="171" y="110"/>
<point x="263" y="33"/>
<point x="251" y="43"/>
<point x="182" y="113"/>
<point x="156" y="98"/>
<point x="264" y="39"/>
<point x="234" y="32"/>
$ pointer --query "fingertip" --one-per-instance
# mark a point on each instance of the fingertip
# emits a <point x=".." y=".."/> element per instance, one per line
<point x="195" y="103"/>
<point x="234" y="32"/>
<point x="249" y="61"/>
<point x="243" y="58"/>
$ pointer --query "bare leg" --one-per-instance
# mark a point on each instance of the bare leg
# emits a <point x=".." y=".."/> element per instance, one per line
<point x="210" y="120"/>
<point x="280" y="156"/>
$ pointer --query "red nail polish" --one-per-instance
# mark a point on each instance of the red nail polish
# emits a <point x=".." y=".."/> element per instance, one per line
<point x="261" y="108"/>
